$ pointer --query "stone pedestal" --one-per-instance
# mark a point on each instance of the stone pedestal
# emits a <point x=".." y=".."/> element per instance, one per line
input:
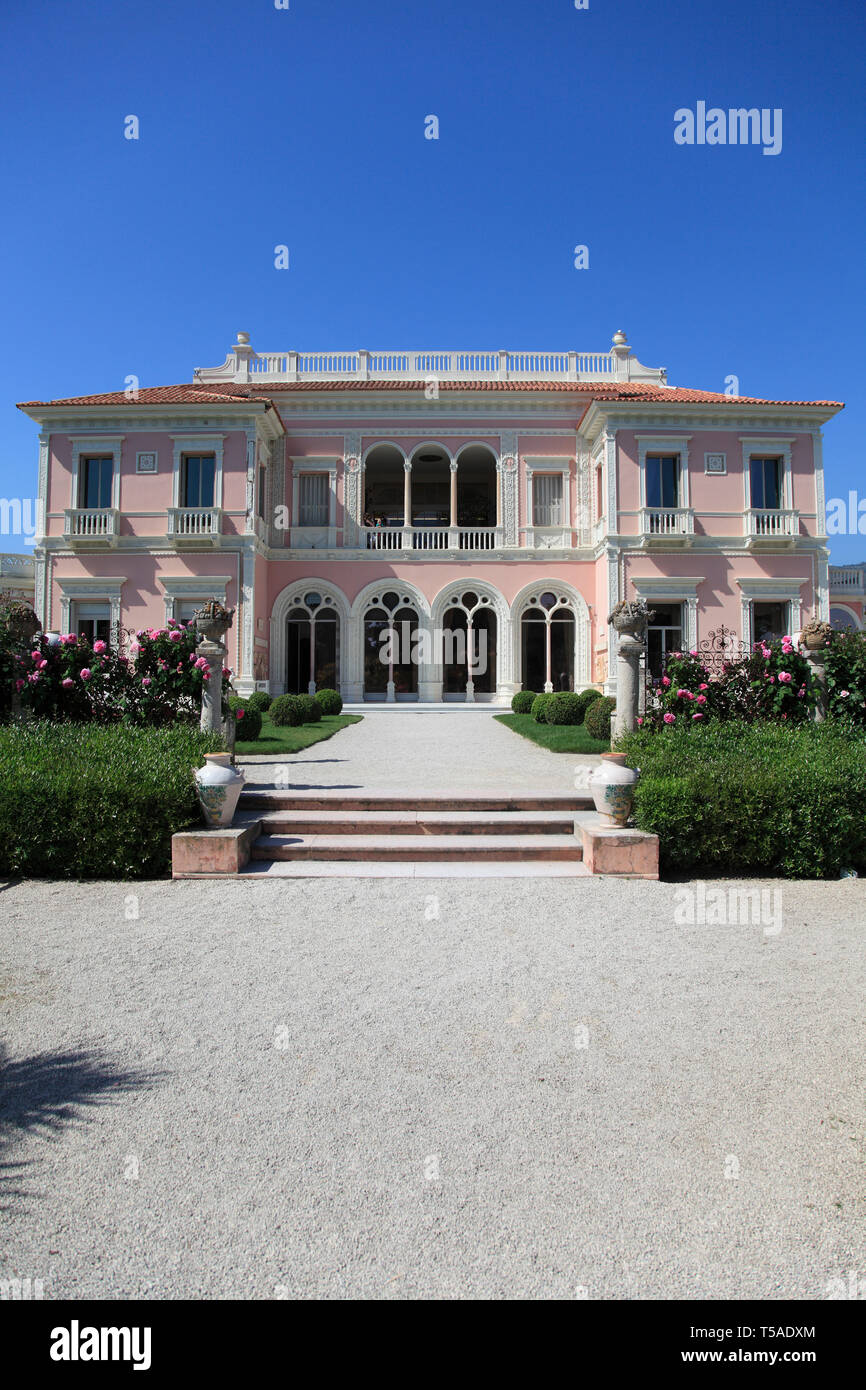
<point x="819" y="676"/>
<point x="214" y="654"/>
<point x="628" y="667"/>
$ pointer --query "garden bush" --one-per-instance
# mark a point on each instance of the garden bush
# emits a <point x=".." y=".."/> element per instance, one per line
<point x="248" y="720"/>
<point x="772" y="682"/>
<point x="564" y="707"/>
<point x="285" y="710"/>
<point x="96" y="801"/>
<point x="845" y="663"/>
<point x="598" y="716"/>
<point x="260" y="700"/>
<point x="539" y="705"/>
<point x="587" y="698"/>
<point x="521" y="703"/>
<point x="329" y="701"/>
<point x="311" y="710"/>
<point x="753" y="797"/>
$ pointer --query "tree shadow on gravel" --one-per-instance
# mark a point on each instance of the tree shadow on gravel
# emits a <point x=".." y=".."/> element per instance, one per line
<point x="50" y="1091"/>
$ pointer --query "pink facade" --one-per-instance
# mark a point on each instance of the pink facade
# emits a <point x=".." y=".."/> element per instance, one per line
<point x="515" y="495"/>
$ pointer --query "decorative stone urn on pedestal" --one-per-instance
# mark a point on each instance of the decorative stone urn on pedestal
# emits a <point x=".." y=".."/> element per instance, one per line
<point x="613" y="786"/>
<point x="213" y="622"/>
<point x="814" y="637"/>
<point x="629" y="620"/>
<point x="218" y="785"/>
<point x="21" y="621"/>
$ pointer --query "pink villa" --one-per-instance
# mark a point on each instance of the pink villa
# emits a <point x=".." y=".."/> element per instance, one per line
<point x="487" y="504"/>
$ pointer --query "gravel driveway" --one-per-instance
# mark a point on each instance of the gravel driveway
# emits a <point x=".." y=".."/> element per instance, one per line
<point x="391" y="1089"/>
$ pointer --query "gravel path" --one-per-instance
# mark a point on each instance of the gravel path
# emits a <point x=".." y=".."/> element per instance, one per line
<point x="385" y="1089"/>
<point x="449" y="750"/>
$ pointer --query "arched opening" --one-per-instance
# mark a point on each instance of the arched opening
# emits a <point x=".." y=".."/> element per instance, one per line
<point x="312" y="645"/>
<point x="476" y="490"/>
<point x="390" y="648"/>
<point x="547" y="643"/>
<point x="384" y="479"/>
<point x="469" y="633"/>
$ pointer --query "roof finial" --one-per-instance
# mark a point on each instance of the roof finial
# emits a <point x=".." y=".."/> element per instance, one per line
<point x="619" y="338"/>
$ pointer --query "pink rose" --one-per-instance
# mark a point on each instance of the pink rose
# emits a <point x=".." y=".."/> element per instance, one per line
<point x="99" y="647"/>
<point x="36" y="655"/>
<point x="669" y="718"/>
<point x="693" y="652"/>
<point x="639" y="721"/>
<point x="703" y="686"/>
<point x="843" y="694"/>
<point x="70" y="639"/>
<point x="19" y="684"/>
<point x="145" y="680"/>
<point x="174" y="636"/>
<point x="85" y="673"/>
<point x="701" y="700"/>
<point x="666" y="680"/>
<point x="239" y="714"/>
<point x="67" y="683"/>
<point x="685" y="695"/>
<point x="697" y="716"/>
<point x="785" y="677"/>
<point x="42" y="664"/>
<point x="34" y="677"/>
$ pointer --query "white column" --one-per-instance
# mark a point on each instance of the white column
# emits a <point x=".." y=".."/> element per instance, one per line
<point x="548" y="683"/>
<point x="453" y="532"/>
<point x="407" y="506"/>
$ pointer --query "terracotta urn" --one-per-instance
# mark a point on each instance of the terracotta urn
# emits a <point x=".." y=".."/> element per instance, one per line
<point x="612" y="786"/>
<point x="218" y="785"/>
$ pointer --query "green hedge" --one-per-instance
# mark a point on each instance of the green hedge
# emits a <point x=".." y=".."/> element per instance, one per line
<point x="598" y="715"/>
<point x="587" y="698"/>
<point x="521" y="703"/>
<point x="96" y="801"/>
<point x="286" y="712"/>
<point x="563" y="707"/>
<point x="260" y="700"/>
<point x="311" y="710"/>
<point x="539" y="707"/>
<point x="329" y="701"/>
<point x="753" y="798"/>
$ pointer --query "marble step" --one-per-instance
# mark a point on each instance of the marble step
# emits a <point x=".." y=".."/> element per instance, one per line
<point x="417" y="823"/>
<point x="297" y="799"/>
<point x="453" y="847"/>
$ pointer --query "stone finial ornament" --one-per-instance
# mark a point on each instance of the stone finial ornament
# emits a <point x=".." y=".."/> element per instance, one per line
<point x="212" y="620"/>
<point x="631" y="615"/>
<point x="816" y="634"/>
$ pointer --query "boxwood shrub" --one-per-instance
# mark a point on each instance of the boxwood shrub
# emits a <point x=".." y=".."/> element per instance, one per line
<point x="521" y="703"/>
<point x="285" y="710"/>
<point x="539" y="705"/>
<point x="96" y="801"/>
<point x="597" y="716"/>
<point x="329" y="701"/>
<point x="587" y="698"/>
<point x="742" y="798"/>
<point x="260" y="700"/>
<point x="248" y="721"/>
<point x="311" y="710"/>
<point x="563" y="707"/>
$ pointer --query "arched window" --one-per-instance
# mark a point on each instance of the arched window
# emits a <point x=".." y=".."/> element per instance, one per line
<point x="468" y="645"/>
<point x="547" y="641"/>
<point x="313" y="645"/>
<point x="390" y="647"/>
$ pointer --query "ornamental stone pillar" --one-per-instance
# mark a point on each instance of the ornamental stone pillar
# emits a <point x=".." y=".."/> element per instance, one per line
<point x="212" y="621"/>
<point x="815" y="639"/>
<point x="629" y="620"/>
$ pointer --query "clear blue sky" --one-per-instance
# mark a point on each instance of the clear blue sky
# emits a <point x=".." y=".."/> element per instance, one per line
<point x="305" y="126"/>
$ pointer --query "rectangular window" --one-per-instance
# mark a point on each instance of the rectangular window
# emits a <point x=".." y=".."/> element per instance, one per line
<point x="92" y="622"/>
<point x="766" y="483"/>
<point x="664" y="635"/>
<point x="769" y="620"/>
<point x="313" y="499"/>
<point x="262" y="487"/>
<point x="547" y="499"/>
<point x="95" y="480"/>
<point x="198" y="480"/>
<point x="662" y="480"/>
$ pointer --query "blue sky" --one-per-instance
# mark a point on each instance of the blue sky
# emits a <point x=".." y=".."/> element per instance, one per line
<point x="305" y="127"/>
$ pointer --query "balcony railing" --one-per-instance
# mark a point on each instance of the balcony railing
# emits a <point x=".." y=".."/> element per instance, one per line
<point x="667" y="524"/>
<point x="851" y="578"/>
<point x="431" y="538"/>
<point x="91" y="525"/>
<point x="194" y="525"/>
<point x="772" y="524"/>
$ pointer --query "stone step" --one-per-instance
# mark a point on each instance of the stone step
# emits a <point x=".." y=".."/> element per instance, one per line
<point x="418" y="823"/>
<point x="409" y="868"/>
<point x="454" y="847"/>
<point x="296" y="799"/>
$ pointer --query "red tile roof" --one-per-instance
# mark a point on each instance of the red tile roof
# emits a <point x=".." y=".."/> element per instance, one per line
<point x="217" y="393"/>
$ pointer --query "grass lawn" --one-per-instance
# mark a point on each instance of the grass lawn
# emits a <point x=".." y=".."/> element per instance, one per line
<point x="559" y="738"/>
<point x="275" y="739"/>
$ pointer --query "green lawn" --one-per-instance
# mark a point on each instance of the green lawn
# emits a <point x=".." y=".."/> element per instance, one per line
<point x="274" y="739"/>
<point x="559" y="738"/>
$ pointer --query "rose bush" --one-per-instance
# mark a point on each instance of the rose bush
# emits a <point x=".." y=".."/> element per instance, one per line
<point x="773" y="682"/>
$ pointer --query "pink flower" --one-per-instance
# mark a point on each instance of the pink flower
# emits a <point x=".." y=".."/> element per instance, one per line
<point x="202" y="663"/>
<point x="239" y="714"/>
<point x="85" y="673"/>
<point x="100" y="647"/>
<point x="145" y="680"/>
<point x="192" y="656"/>
<point x="685" y="695"/>
<point x="701" y="700"/>
<point x="843" y="694"/>
<point x="703" y="686"/>
<point x="36" y="655"/>
<point x="42" y="664"/>
<point x="693" y="652"/>
<point x="34" y="677"/>
<point x="676" y="654"/>
<point x="19" y="684"/>
<point x="785" y="677"/>
<point x="669" y="718"/>
<point x="174" y="636"/>
<point x="639" y="721"/>
<point x="135" y="649"/>
<point x="70" y="639"/>
<point x="67" y="683"/>
<point x="666" y="680"/>
<point x="205" y="675"/>
<point x="772" y="679"/>
<point x="697" y="716"/>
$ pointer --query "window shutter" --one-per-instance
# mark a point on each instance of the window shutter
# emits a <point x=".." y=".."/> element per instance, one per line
<point x="547" y="499"/>
<point x="313" y="499"/>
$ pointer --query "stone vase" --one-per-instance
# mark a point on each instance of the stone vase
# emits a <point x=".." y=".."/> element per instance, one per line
<point x="218" y="785"/>
<point x="613" y="786"/>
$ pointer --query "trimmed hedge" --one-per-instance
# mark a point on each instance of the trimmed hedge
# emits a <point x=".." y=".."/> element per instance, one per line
<point x="539" y="706"/>
<point x="521" y="703"/>
<point x="248" y="721"/>
<point x="311" y="710"/>
<point x="587" y="698"/>
<point x="329" y="701"/>
<point x="96" y="801"/>
<point x="260" y="700"/>
<point x="598" y="715"/>
<point x="753" y="798"/>
<point x="563" y="707"/>
<point x="285" y="711"/>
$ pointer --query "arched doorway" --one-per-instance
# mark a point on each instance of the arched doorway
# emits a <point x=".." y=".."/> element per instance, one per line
<point x="390" y="647"/>
<point x="312" y="645"/>
<point x="469" y="634"/>
<point x="547" y="642"/>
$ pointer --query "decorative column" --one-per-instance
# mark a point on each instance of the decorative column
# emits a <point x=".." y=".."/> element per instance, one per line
<point x="213" y="622"/>
<point x="629" y="620"/>
<point x="548" y="683"/>
<point x="470" y="684"/>
<point x="407" y="506"/>
<point x="815" y="638"/>
<point x="453" y="532"/>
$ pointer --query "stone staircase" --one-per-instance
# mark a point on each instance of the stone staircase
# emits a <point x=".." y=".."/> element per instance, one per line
<point x="340" y="834"/>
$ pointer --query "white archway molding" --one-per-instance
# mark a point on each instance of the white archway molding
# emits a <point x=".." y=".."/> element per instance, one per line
<point x="355" y="639"/>
<point x="432" y="444"/>
<point x="389" y="583"/>
<point x="504" y="636"/>
<point x="287" y="598"/>
<point x="478" y="444"/>
<point x="383" y="444"/>
<point x="582" y="626"/>
<point x="845" y="608"/>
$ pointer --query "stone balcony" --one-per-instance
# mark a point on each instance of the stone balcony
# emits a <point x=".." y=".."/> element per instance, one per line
<point x="91" y="528"/>
<point x="667" y="527"/>
<point x="194" y="527"/>
<point x="771" y="529"/>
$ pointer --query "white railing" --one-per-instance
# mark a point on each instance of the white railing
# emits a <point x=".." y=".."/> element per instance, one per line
<point x="847" y="577"/>
<point x="772" y="524"/>
<point x="667" y="521"/>
<point x="244" y="365"/>
<point x="381" y="538"/>
<point x="193" y="523"/>
<point x="479" y="538"/>
<point x="429" y="537"/>
<point x="90" y="524"/>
